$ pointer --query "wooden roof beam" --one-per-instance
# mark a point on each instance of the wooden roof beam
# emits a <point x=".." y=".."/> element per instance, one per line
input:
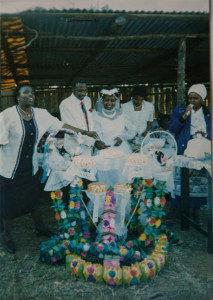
<point x="84" y="16"/>
<point x="128" y="50"/>
<point x="62" y="68"/>
<point x="157" y="61"/>
<point x="117" y="37"/>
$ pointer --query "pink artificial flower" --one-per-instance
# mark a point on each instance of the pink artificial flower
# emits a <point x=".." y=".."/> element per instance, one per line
<point x="100" y="247"/>
<point x="86" y="234"/>
<point x="130" y="244"/>
<point x="110" y="193"/>
<point x="147" y="242"/>
<point x="78" y="204"/>
<point x="71" y="231"/>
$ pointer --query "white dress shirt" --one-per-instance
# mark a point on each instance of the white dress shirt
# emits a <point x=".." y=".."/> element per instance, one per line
<point x="72" y="114"/>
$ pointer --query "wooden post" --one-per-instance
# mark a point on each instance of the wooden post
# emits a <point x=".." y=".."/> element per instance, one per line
<point x="181" y="72"/>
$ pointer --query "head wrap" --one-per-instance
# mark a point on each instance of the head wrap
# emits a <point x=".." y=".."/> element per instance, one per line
<point x="199" y="89"/>
<point x="109" y="92"/>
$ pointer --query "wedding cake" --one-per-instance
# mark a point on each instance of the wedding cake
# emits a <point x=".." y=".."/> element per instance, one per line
<point x="97" y="187"/>
<point x="122" y="187"/>
<point x="137" y="159"/>
<point x="111" y="153"/>
<point x="83" y="161"/>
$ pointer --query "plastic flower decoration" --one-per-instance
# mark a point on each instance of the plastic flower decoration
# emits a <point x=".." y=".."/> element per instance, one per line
<point x="147" y="242"/>
<point x="123" y="262"/>
<point x="142" y="237"/>
<point x="149" y="203"/>
<point x="157" y="201"/>
<point x="108" y="199"/>
<point x="163" y="201"/>
<point x="158" y="223"/>
<point x="58" y="194"/>
<point x="57" y="216"/>
<point x="72" y="204"/>
<point x="52" y="195"/>
<point x="151" y="221"/>
<point x="63" y="214"/>
<point x="149" y="182"/>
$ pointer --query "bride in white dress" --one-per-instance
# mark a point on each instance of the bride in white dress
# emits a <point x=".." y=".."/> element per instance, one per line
<point x="110" y="122"/>
<point x="114" y="130"/>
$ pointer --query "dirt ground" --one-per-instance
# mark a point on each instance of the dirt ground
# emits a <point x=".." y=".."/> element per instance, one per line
<point x="187" y="275"/>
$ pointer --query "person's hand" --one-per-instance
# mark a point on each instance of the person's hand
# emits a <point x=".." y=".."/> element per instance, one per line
<point x="118" y="141"/>
<point x="133" y="141"/>
<point x="187" y="111"/>
<point x="93" y="134"/>
<point x="100" y="145"/>
<point x="144" y="133"/>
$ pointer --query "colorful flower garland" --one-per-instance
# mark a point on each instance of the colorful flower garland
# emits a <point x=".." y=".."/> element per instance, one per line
<point x="113" y="262"/>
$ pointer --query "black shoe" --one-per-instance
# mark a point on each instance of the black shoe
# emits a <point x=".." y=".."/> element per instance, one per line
<point x="8" y="244"/>
<point x="44" y="231"/>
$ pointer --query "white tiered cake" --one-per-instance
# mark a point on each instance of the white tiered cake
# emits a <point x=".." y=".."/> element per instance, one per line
<point x="137" y="159"/>
<point x="111" y="153"/>
<point x="97" y="187"/>
<point x="83" y="161"/>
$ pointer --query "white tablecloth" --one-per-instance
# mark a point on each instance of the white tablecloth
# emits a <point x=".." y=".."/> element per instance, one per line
<point x="59" y="179"/>
<point x="198" y="181"/>
<point x="183" y="161"/>
<point x="110" y="172"/>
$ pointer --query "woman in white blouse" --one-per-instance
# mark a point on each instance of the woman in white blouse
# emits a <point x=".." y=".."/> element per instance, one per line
<point x="139" y="112"/>
<point x="22" y="126"/>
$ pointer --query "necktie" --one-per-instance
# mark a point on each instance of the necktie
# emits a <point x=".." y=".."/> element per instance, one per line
<point x="85" y="114"/>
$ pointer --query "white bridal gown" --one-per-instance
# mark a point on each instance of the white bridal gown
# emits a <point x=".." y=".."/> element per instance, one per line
<point x="109" y="127"/>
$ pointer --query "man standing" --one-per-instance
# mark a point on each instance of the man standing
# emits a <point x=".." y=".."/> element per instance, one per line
<point x="76" y="110"/>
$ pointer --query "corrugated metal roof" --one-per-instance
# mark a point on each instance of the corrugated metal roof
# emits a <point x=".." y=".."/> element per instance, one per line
<point x="63" y="44"/>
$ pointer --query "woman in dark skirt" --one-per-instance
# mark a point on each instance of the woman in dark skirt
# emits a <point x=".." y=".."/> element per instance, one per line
<point x="22" y="126"/>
